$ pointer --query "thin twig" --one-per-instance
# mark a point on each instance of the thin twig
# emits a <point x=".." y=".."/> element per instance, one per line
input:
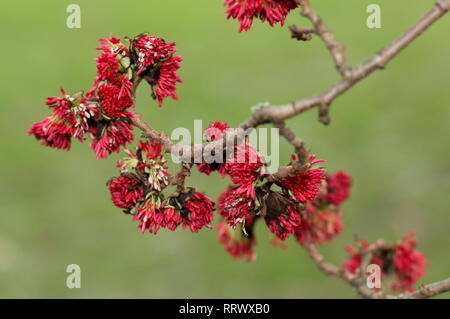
<point x="335" y="47"/>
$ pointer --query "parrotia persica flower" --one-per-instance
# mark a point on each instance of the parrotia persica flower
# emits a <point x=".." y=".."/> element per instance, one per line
<point x="198" y="212"/>
<point x="304" y="186"/>
<point x="319" y="224"/>
<point x="409" y="264"/>
<point x="114" y="66"/>
<point x="154" y="214"/>
<point x="138" y="191"/>
<point x="235" y="208"/>
<point x="338" y="187"/>
<point x="353" y="263"/>
<point x="157" y="64"/>
<point x="244" y="167"/>
<point x="213" y="133"/>
<point x="147" y="164"/>
<point x="317" y="220"/>
<point x="322" y="217"/>
<point x="282" y="222"/>
<point x="125" y="191"/>
<point x="403" y="260"/>
<point x="272" y="11"/>
<point x="238" y="241"/>
<point x="70" y="118"/>
<point x="102" y="114"/>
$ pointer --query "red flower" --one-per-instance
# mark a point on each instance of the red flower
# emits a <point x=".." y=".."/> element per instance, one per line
<point x="338" y="187"/>
<point x="168" y="79"/>
<point x="151" y="217"/>
<point x="212" y="133"/>
<point x="236" y="243"/>
<point x="125" y="191"/>
<point x="171" y="218"/>
<point x="403" y="259"/>
<point x="148" y="163"/>
<point x="69" y="118"/>
<point x="354" y="262"/>
<point x="199" y="212"/>
<point x="215" y="130"/>
<point x="113" y="65"/>
<point x="244" y="168"/>
<point x="112" y="136"/>
<point x="158" y="65"/>
<point x="305" y="185"/>
<point x="154" y="215"/>
<point x="52" y="132"/>
<point x="235" y="208"/>
<point x="285" y="224"/>
<point x="151" y="149"/>
<point x="112" y="102"/>
<point x="245" y="11"/>
<point x="409" y="264"/>
<point x="319" y="225"/>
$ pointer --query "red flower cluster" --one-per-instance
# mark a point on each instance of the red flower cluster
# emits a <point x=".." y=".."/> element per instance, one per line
<point x="239" y="243"/>
<point x="304" y="186"/>
<point x="322" y="218"/>
<point x="319" y="224"/>
<point x="281" y="210"/>
<point x="235" y="208"/>
<point x="215" y="130"/>
<point x="244" y="167"/>
<point x="286" y="224"/>
<point x="157" y="64"/>
<point x="409" y="264"/>
<point x="70" y="116"/>
<point x="125" y="191"/>
<point x="110" y="136"/>
<point x="102" y="114"/>
<point x="213" y="133"/>
<point x="112" y="90"/>
<point x="403" y="260"/>
<point x="338" y="187"/>
<point x="153" y="215"/>
<point x="139" y="191"/>
<point x="112" y="101"/>
<point x="272" y="11"/>
<point x="353" y="263"/>
<point x="113" y="64"/>
<point x="147" y="164"/>
<point x="198" y="212"/>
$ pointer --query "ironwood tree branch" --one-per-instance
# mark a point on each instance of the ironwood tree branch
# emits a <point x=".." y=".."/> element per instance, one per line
<point x="358" y="281"/>
<point x="430" y="290"/>
<point x="277" y="114"/>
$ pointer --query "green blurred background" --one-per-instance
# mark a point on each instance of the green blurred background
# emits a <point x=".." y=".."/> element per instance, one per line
<point x="391" y="132"/>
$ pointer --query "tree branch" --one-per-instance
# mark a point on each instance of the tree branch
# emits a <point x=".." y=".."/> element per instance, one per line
<point x="429" y="290"/>
<point x="277" y="114"/>
<point x="356" y="74"/>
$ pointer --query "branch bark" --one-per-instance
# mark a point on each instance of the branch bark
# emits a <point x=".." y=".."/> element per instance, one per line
<point x="429" y="290"/>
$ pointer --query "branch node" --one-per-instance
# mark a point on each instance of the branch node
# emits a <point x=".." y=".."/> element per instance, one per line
<point x="324" y="117"/>
<point x="301" y="33"/>
<point x="444" y="5"/>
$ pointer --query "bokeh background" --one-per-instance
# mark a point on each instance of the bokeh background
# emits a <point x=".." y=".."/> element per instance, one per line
<point x="391" y="132"/>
